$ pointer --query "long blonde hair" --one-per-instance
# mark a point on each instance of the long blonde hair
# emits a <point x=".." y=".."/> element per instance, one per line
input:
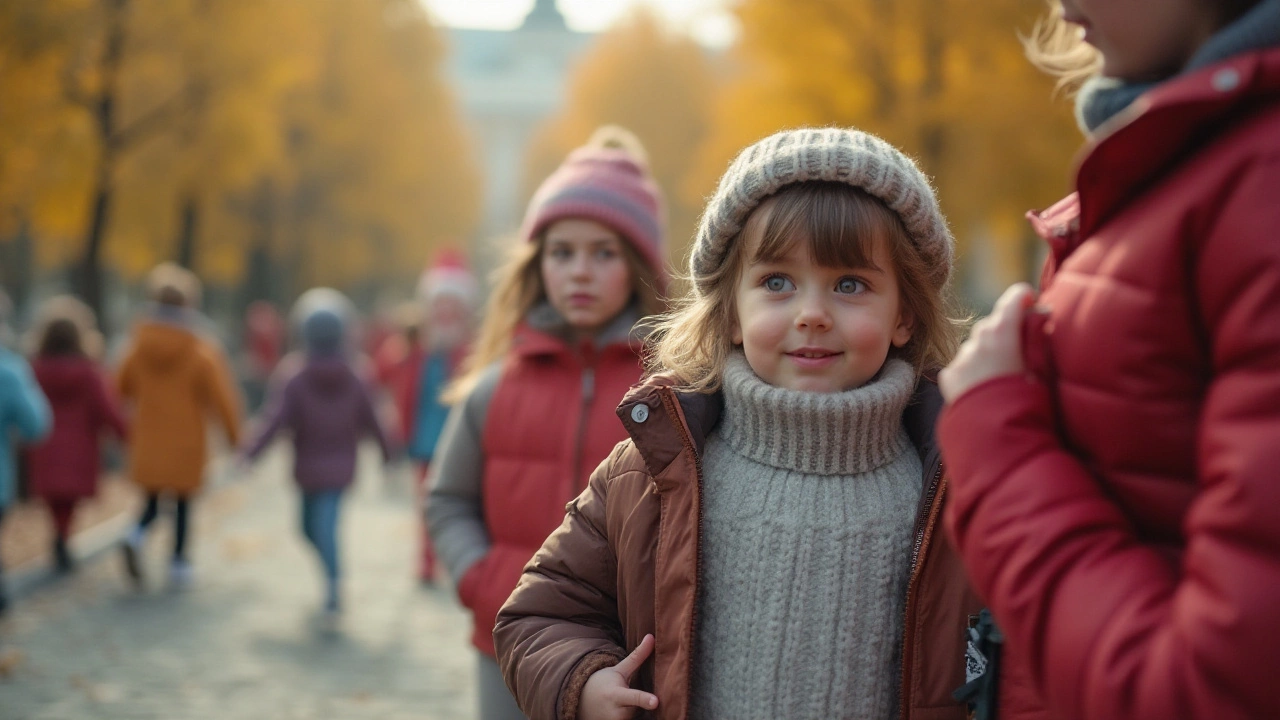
<point x="839" y="223"/>
<point x="518" y="288"/>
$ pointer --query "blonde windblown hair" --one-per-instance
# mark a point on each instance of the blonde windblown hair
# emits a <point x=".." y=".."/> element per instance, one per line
<point x="839" y="223"/>
<point x="1058" y="48"/>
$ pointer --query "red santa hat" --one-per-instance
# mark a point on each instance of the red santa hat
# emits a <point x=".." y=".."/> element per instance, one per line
<point x="448" y="275"/>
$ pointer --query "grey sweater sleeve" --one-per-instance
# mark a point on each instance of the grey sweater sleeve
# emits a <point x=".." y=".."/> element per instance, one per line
<point x="455" y="507"/>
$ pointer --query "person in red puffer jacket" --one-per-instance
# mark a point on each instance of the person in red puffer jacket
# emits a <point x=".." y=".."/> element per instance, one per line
<point x="64" y="468"/>
<point x="1114" y="443"/>
<point x="533" y="411"/>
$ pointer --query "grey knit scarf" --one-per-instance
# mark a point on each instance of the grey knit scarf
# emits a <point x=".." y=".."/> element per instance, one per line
<point x="1103" y="98"/>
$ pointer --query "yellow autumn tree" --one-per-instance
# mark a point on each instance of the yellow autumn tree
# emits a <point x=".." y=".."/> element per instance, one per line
<point x="46" y="144"/>
<point x="946" y="80"/>
<point x="656" y="83"/>
<point x="377" y="172"/>
<point x="317" y="138"/>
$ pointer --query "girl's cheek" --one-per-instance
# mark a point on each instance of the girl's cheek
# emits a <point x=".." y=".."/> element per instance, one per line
<point x="619" y="276"/>
<point x="552" y="278"/>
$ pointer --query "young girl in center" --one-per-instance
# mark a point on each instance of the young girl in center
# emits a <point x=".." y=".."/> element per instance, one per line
<point x="764" y="545"/>
<point x="557" y="350"/>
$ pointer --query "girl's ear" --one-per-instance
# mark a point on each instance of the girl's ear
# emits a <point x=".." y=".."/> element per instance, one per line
<point x="736" y="334"/>
<point x="903" y="330"/>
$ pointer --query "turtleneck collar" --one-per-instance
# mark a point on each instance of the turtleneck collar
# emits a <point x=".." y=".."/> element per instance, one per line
<point x="844" y="433"/>
<point x="1103" y="98"/>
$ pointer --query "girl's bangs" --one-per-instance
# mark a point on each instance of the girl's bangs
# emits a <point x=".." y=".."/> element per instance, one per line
<point x="839" y="222"/>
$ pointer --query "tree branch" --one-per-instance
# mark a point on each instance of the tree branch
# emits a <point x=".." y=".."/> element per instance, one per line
<point x="157" y="117"/>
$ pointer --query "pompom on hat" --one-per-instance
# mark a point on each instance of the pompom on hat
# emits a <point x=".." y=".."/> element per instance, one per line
<point x="840" y="155"/>
<point x="606" y="180"/>
<point x="448" y="276"/>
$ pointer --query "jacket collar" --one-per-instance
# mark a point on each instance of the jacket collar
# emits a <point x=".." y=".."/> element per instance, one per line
<point x="1103" y="98"/>
<point x="672" y="420"/>
<point x="1162" y="126"/>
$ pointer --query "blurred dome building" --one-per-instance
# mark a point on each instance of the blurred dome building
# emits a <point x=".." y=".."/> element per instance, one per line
<point x="509" y="82"/>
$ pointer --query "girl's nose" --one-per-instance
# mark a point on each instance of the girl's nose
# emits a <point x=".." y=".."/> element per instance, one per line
<point x="580" y="266"/>
<point x="813" y="313"/>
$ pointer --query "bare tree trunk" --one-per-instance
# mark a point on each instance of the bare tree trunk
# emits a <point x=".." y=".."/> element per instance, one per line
<point x="190" y="215"/>
<point x="260" y="282"/>
<point x="90" y="274"/>
<point x="17" y="265"/>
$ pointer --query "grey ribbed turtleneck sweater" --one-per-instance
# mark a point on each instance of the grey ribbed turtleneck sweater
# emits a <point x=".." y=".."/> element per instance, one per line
<point x="809" y="500"/>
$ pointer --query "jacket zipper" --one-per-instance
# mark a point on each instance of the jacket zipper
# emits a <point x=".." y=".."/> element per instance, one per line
<point x="930" y="492"/>
<point x="669" y="402"/>
<point x="588" y="394"/>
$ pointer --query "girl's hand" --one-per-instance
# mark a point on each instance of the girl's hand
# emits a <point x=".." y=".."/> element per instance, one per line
<point x="608" y="694"/>
<point x="994" y="348"/>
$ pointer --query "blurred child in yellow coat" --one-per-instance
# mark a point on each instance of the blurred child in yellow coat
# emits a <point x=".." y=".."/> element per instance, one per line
<point x="173" y="377"/>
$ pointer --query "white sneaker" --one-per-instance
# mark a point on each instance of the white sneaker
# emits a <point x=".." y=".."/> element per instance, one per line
<point x="181" y="574"/>
<point x="132" y="549"/>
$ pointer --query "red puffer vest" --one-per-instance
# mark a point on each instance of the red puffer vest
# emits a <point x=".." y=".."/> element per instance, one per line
<point x="1119" y="506"/>
<point x="550" y="423"/>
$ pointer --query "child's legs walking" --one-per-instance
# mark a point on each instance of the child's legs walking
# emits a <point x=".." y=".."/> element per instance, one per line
<point x="149" y="513"/>
<point x="62" y="512"/>
<point x="308" y="510"/>
<point x="132" y="545"/>
<point x="322" y="517"/>
<point x="427" y="559"/>
<point x="181" y="522"/>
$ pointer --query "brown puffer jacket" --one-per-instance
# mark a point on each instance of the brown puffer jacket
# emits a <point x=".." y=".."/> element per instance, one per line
<point x="624" y="563"/>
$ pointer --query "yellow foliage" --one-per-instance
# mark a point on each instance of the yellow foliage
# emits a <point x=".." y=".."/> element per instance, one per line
<point x="323" y="128"/>
<point x="945" y="80"/>
<point x="653" y="82"/>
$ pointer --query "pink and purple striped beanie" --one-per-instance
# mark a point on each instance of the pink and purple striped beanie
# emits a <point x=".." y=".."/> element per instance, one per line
<point x="611" y="185"/>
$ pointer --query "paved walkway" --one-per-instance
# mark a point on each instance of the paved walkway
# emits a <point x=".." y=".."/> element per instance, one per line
<point x="245" y="641"/>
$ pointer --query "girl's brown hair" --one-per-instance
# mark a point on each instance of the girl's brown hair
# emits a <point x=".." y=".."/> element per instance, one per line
<point x="517" y="289"/>
<point x="61" y="339"/>
<point x="840" y="225"/>
<point x="65" y="326"/>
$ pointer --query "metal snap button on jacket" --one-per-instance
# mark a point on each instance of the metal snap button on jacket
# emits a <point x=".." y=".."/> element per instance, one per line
<point x="640" y="413"/>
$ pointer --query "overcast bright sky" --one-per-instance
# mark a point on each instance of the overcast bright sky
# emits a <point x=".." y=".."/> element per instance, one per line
<point x="705" y="20"/>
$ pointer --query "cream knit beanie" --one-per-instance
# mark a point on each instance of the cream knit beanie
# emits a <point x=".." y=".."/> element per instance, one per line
<point x="840" y="155"/>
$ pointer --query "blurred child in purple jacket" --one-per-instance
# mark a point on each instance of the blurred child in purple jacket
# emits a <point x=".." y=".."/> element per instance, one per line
<point x="327" y="409"/>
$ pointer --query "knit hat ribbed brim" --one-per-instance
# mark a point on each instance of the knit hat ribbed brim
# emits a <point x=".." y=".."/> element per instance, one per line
<point x="841" y="155"/>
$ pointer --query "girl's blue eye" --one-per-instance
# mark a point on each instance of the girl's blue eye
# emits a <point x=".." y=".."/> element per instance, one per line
<point x="606" y="254"/>
<point x="848" y="286"/>
<point x="777" y="283"/>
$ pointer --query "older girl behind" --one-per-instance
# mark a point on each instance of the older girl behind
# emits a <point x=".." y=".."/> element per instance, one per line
<point x="557" y="350"/>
